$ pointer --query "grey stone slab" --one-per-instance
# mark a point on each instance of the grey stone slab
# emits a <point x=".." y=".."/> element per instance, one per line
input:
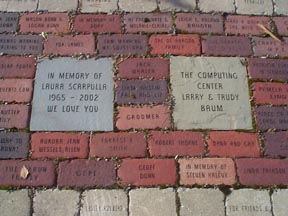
<point x="92" y="6"/>
<point x="15" y="203"/>
<point x="138" y="5"/>
<point x="152" y="201"/>
<point x="56" y="202"/>
<point x="217" y="6"/>
<point x="207" y="94"/>
<point x="8" y="22"/>
<point x="252" y="7"/>
<point x="104" y="203"/>
<point x="73" y="95"/>
<point x="18" y="5"/>
<point x="280" y="202"/>
<point x="248" y="202"/>
<point x="177" y="5"/>
<point x="204" y="202"/>
<point x="56" y="6"/>
<point x="281" y="7"/>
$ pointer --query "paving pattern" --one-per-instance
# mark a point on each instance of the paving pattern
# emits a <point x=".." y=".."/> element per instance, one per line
<point x="134" y="108"/>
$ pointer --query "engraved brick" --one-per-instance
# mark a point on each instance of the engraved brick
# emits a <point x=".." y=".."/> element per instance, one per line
<point x="47" y="22"/>
<point x="176" y="5"/>
<point x="208" y="6"/>
<point x="176" y="45"/>
<point x="207" y="171"/>
<point x="8" y="22"/>
<point x="145" y="117"/>
<point x="97" y="23"/>
<point x="18" y="90"/>
<point x="245" y="25"/>
<point x="14" y="145"/>
<point x="138" y="5"/>
<point x="86" y="173"/>
<point x="141" y="91"/>
<point x="182" y="143"/>
<point x="128" y="44"/>
<point x="54" y="6"/>
<point x="17" y="67"/>
<point x="69" y="45"/>
<point x="200" y="23"/>
<point x="270" y="47"/>
<point x="14" y="116"/>
<point x="92" y="6"/>
<point x="270" y="93"/>
<point x="276" y="69"/>
<point x="254" y="7"/>
<point x="281" y="24"/>
<point x="233" y="144"/>
<point x="271" y="118"/>
<point x="18" y="5"/>
<point x="59" y="145"/>
<point x="262" y="172"/>
<point x="226" y="46"/>
<point x="41" y="173"/>
<point x="133" y="68"/>
<point x="119" y="145"/>
<point x="281" y="7"/>
<point x="21" y="44"/>
<point x="276" y="144"/>
<point x="147" y="172"/>
<point x="148" y="22"/>
<point x="279" y="202"/>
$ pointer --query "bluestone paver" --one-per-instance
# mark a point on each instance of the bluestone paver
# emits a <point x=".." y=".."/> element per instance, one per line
<point x="280" y="202"/>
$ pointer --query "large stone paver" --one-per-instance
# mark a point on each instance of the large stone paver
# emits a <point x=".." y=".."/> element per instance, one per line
<point x="92" y="6"/>
<point x="18" y="5"/>
<point x="252" y="7"/>
<point x="281" y="7"/>
<point x="217" y="6"/>
<point x="138" y="5"/>
<point x="183" y="5"/>
<point x="280" y="202"/>
<point x="56" y="6"/>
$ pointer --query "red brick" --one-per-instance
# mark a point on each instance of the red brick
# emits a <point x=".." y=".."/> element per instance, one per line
<point x="59" y="145"/>
<point x="18" y="90"/>
<point x="276" y="144"/>
<point x="270" y="47"/>
<point x="119" y="145"/>
<point x="14" y="116"/>
<point x="226" y="46"/>
<point x="41" y="173"/>
<point x="17" y="67"/>
<point x="245" y="25"/>
<point x="147" y="172"/>
<point x="46" y="22"/>
<point x="262" y="172"/>
<point x="145" y="117"/>
<point x="270" y="93"/>
<point x="182" y="143"/>
<point x="148" y="22"/>
<point x="281" y="24"/>
<point x="233" y="144"/>
<point x="69" y="45"/>
<point x="199" y="23"/>
<point x="207" y="171"/>
<point x="97" y="23"/>
<point x="175" y="45"/>
<point x="86" y="173"/>
<point x="135" y="68"/>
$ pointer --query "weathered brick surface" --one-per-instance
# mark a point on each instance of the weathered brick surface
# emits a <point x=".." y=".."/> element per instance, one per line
<point x="276" y="144"/>
<point x="8" y="22"/>
<point x="270" y="47"/>
<point x="281" y="24"/>
<point x="14" y="116"/>
<point x="18" y="90"/>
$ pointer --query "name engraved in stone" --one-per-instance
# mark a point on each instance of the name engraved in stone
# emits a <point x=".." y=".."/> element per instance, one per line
<point x="14" y="145"/>
<point x="8" y="22"/>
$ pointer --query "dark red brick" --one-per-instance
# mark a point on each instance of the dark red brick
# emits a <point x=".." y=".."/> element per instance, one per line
<point x="18" y="90"/>
<point x="281" y="24"/>
<point x="86" y="173"/>
<point x="226" y="46"/>
<point x="121" y="145"/>
<point x="259" y="68"/>
<point x="69" y="45"/>
<point x="14" y="116"/>
<point x="41" y="173"/>
<point x="233" y="144"/>
<point x="59" y="145"/>
<point x="120" y="44"/>
<point x="175" y="44"/>
<point x="245" y="25"/>
<point x="134" y="68"/>
<point x="262" y="172"/>
<point x="148" y="22"/>
<point x="182" y="143"/>
<point x="46" y="22"/>
<point x="8" y="22"/>
<point x="276" y="144"/>
<point x="97" y="23"/>
<point x="199" y="23"/>
<point x="270" y="47"/>
<point x="147" y="172"/>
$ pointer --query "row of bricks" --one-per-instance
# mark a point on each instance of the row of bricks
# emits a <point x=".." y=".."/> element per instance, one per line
<point x="145" y="172"/>
<point x="115" y="202"/>
<point x="141" y="22"/>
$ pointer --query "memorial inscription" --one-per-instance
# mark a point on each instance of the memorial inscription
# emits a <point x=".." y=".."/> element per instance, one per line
<point x="8" y="22"/>
<point x="14" y="145"/>
<point x="17" y="67"/>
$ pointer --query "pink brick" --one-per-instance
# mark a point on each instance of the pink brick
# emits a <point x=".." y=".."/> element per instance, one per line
<point x="233" y="144"/>
<point x="262" y="172"/>
<point x="59" y="145"/>
<point x="18" y="90"/>
<point x="147" y="172"/>
<point x="97" y="23"/>
<point x="176" y="45"/>
<point x="270" y="47"/>
<point x="281" y="24"/>
<point x="14" y="116"/>
<point x="46" y="22"/>
<point x="119" y="145"/>
<point x="182" y="143"/>
<point x="145" y="117"/>
<point x="69" y="45"/>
